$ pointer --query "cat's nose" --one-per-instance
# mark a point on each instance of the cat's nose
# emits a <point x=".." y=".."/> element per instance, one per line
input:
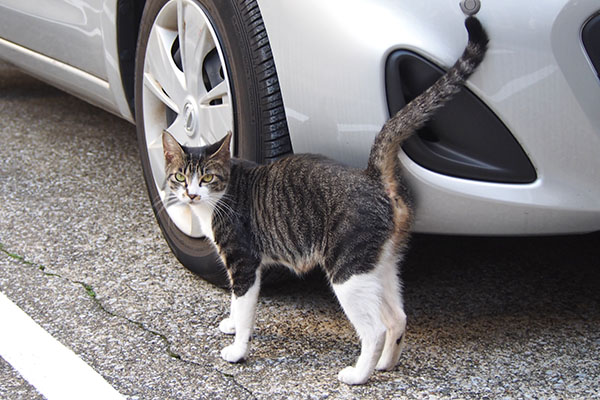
<point x="192" y="196"/>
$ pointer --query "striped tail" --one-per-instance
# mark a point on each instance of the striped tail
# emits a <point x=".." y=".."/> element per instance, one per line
<point x="383" y="160"/>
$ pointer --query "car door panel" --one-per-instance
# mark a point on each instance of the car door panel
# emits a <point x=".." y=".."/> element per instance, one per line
<point x="65" y="30"/>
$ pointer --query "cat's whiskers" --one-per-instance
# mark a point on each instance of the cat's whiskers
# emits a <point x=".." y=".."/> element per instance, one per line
<point x="159" y="203"/>
<point x="171" y="200"/>
<point x="224" y="206"/>
<point x="221" y="209"/>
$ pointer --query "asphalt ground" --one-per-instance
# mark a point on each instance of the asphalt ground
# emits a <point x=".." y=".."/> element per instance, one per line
<point x="82" y="254"/>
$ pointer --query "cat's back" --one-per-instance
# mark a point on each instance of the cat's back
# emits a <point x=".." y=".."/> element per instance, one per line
<point x="317" y="172"/>
<point x="317" y="185"/>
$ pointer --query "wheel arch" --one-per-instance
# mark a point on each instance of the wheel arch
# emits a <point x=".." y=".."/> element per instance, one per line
<point x="129" y="16"/>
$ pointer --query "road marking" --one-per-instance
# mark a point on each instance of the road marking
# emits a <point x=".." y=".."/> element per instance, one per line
<point x="53" y="369"/>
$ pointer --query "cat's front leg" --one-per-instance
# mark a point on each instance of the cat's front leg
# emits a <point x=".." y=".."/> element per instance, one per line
<point x="227" y="326"/>
<point x="244" y="301"/>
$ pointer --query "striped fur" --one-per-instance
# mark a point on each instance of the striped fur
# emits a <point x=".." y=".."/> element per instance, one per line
<point x="305" y="211"/>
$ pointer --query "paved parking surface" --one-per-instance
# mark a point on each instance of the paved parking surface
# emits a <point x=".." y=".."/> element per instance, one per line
<point x="82" y="255"/>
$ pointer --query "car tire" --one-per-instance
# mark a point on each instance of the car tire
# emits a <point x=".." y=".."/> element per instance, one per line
<point x="253" y="97"/>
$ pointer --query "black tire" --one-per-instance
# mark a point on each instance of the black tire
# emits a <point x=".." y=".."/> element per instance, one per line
<point x="260" y="127"/>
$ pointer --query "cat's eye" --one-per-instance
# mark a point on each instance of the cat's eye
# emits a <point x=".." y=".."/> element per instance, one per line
<point x="208" y="178"/>
<point x="179" y="177"/>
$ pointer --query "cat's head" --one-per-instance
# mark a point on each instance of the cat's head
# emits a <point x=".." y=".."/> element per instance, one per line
<point x="197" y="175"/>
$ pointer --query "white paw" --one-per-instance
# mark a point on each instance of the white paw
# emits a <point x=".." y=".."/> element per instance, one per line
<point x="233" y="353"/>
<point x="351" y="376"/>
<point x="385" y="365"/>
<point x="227" y="326"/>
<point x="390" y="356"/>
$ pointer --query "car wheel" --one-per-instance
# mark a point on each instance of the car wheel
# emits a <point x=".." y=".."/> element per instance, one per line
<point x="203" y="67"/>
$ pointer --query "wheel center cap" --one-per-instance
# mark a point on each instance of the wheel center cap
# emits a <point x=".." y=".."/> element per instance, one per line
<point x="189" y="119"/>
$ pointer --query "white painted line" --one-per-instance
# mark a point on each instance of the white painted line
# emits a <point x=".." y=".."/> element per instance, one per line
<point x="53" y="369"/>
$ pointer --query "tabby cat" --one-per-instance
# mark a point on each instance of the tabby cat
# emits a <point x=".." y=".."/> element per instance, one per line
<point x="305" y="211"/>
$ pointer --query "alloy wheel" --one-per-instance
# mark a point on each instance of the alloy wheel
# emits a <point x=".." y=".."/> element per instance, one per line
<point x="186" y="92"/>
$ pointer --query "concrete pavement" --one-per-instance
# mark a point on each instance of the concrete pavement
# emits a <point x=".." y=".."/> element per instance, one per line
<point x="82" y="255"/>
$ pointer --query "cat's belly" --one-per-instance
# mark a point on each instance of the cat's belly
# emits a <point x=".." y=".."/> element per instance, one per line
<point x="300" y="264"/>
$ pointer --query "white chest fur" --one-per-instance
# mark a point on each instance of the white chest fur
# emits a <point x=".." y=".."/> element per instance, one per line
<point x="204" y="213"/>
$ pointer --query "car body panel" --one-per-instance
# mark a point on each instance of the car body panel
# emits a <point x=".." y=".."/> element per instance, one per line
<point x="70" y="44"/>
<point x="536" y="78"/>
<point x="55" y="20"/>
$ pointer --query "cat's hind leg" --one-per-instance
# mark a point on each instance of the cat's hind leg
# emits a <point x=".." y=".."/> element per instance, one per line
<point x="243" y="306"/>
<point x="361" y="299"/>
<point x="392" y="311"/>
<point x="395" y="321"/>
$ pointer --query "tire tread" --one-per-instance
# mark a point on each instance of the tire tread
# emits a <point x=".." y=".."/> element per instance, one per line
<point x="275" y="137"/>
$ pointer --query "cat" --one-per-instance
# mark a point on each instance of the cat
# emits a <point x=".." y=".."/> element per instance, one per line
<point x="305" y="211"/>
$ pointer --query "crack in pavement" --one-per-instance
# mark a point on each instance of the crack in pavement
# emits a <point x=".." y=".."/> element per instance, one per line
<point x="91" y="293"/>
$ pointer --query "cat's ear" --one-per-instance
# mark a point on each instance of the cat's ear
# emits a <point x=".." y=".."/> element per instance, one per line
<point x="223" y="146"/>
<point x="173" y="151"/>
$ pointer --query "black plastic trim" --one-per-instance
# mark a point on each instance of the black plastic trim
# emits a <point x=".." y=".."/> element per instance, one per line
<point x="590" y="35"/>
<point x="465" y="138"/>
<point x="129" y="14"/>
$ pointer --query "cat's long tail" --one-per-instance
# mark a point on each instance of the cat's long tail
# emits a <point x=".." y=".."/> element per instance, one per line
<point x="383" y="160"/>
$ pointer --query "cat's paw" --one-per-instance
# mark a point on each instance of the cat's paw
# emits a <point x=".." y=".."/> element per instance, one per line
<point x="388" y="360"/>
<point x="385" y="365"/>
<point x="227" y="326"/>
<point x="352" y="376"/>
<point x="233" y="353"/>
<point x="390" y="355"/>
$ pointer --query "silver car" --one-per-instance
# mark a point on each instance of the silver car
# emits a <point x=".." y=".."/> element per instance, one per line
<point x="516" y="153"/>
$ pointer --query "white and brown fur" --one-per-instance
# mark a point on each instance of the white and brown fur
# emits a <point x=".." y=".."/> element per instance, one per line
<point x="305" y="211"/>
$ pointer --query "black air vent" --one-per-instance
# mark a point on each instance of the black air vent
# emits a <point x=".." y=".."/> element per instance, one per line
<point x="591" y="41"/>
<point x="465" y="139"/>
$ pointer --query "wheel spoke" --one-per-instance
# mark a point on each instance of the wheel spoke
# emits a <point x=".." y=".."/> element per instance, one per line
<point x="217" y="122"/>
<point x="195" y="41"/>
<point x="219" y="93"/>
<point x="176" y="129"/>
<point x="158" y="91"/>
<point x="161" y="74"/>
